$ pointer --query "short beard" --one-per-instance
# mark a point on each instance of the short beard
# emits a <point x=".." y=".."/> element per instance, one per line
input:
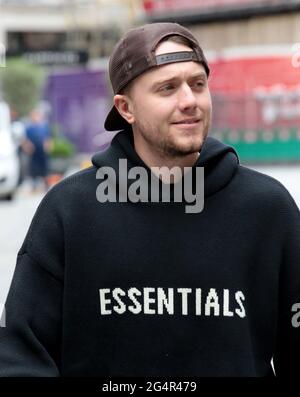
<point x="165" y="147"/>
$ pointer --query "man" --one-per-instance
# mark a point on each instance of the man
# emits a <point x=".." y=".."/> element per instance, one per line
<point x="37" y="145"/>
<point x="116" y="278"/>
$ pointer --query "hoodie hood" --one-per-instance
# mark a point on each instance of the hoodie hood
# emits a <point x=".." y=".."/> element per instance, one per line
<point x="220" y="161"/>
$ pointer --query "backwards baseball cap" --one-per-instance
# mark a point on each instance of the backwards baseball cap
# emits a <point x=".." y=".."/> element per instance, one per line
<point x="134" y="54"/>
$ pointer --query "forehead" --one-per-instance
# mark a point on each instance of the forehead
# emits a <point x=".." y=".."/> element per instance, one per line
<point x="169" y="46"/>
<point x="176" y="70"/>
<point x="180" y="70"/>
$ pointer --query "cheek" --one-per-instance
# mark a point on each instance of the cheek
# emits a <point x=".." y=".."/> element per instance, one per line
<point x="165" y="109"/>
<point x="205" y="104"/>
<point x="144" y="108"/>
<point x="158" y="111"/>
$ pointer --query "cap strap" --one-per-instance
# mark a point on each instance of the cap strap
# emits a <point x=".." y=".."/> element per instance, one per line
<point x="176" y="57"/>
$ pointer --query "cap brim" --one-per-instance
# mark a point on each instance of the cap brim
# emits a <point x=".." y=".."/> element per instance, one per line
<point x="114" y="121"/>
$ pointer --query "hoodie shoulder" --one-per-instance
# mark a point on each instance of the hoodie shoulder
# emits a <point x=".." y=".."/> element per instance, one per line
<point x="70" y="189"/>
<point x="262" y="187"/>
<point x="76" y="180"/>
<point x="259" y="178"/>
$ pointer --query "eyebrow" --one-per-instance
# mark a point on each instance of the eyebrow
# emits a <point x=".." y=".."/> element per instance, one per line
<point x="173" y="78"/>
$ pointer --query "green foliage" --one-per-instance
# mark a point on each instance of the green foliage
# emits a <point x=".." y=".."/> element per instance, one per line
<point x="21" y="83"/>
<point x="61" y="147"/>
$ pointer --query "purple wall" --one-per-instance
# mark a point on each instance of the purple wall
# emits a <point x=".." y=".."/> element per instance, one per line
<point x="79" y="102"/>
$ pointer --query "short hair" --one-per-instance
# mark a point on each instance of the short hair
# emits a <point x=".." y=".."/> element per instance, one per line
<point x="175" y="38"/>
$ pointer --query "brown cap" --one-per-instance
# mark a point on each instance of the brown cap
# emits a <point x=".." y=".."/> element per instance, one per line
<point x="134" y="54"/>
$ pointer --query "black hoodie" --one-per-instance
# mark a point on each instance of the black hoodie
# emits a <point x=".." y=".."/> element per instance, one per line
<point x="146" y="289"/>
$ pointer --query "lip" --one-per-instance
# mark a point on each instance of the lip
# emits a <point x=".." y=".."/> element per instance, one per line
<point x="187" y="123"/>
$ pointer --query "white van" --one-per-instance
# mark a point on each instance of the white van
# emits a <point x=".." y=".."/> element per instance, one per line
<point x="9" y="161"/>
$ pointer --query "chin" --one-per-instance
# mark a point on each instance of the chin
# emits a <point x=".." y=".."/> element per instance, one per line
<point x="180" y="149"/>
<point x="190" y="144"/>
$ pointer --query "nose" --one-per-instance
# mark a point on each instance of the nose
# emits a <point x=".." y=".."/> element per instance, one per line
<point x="186" y="98"/>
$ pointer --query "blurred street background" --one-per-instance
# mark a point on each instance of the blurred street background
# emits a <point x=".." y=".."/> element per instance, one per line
<point x="55" y="92"/>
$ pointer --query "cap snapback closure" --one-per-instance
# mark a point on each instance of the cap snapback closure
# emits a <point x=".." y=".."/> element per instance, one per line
<point x="176" y="57"/>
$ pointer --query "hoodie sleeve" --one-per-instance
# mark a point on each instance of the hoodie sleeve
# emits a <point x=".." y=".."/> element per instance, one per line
<point x="30" y="341"/>
<point x="287" y="353"/>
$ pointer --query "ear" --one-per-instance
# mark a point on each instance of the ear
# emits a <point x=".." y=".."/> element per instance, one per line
<point x="124" y="106"/>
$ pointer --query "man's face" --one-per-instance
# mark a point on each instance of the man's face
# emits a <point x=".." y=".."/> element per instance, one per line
<point x="171" y="106"/>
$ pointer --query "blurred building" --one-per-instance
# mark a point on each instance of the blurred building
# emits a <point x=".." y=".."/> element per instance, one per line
<point x="232" y="23"/>
<point x="64" y="31"/>
<point x="72" y="40"/>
